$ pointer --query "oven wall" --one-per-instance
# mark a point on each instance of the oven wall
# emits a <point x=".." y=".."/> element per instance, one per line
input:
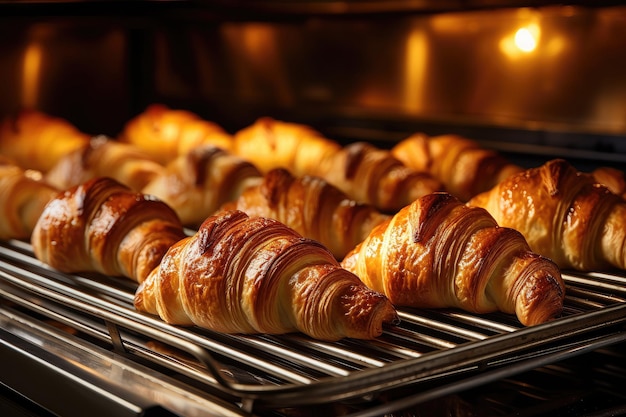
<point x="554" y="71"/>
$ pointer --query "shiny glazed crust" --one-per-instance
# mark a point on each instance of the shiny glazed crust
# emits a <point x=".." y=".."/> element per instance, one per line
<point x="22" y="200"/>
<point x="35" y="140"/>
<point x="102" y="157"/>
<point x="564" y="214"/>
<point x="103" y="226"/>
<point x="312" y="207"/>
<point x="464" y="168"/>
<point x="269" y="144"/>
<point x="166" y="133"/>
<point x="374" y="176"/>
<point x="438" y="252"/>
<point x="613" y="178"/>
<point x="363" y="172"/>
<point x="239" y="274"/>
<point x="197" y="183"/>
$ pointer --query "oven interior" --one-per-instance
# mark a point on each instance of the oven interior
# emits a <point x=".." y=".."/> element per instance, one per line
<point x="533" y="80"/>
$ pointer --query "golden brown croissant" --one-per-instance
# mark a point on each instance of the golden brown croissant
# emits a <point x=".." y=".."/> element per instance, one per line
<point x="105" y="227"/>
<point x="103" y="157"/>
<point x="461" y="164"/>
<point x="371" y="175"/>
<point x="312" y="207"/>
<point x="165" y="133"/>
<point x="363" y="172"/>
<point x="23" y="197"/>
<point x="438" y="252"/>
<point x="612" y="178"/>
<point x="197" y="183"/>
<point x="564" y="215"/>
<point x="35" y="140"/>
<point x="270" y="144"/>
<point x="239" y="274"/>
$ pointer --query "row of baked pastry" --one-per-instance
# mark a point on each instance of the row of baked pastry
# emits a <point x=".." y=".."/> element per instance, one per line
<point x="389" y="180"/>
<point x="242" y="273"/>
<point x="434" y="251"/>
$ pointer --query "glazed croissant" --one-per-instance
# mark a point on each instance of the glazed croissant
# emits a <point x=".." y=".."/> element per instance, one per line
<point x="103" y="226"/>
<point x="373" y="176"/>
<point x="613" y="178"/>
<point x="197" y="183"/>
<point x="23" y="197"/>
<point x="165" y="133"/>
<point x="363" y="172"/>
<point x="312" y="207"/>
<point x="35" y="140"/>
<point x="102" y="157"/>
<point x="438" y="252"/>
<point x="241" y="274"/>
<point x="462" y="165"/>
<point x="270" y="144"/>
<point x="564" y="215"/>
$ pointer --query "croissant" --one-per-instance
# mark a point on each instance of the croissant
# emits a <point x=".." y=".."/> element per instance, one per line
<point x="103" y="226"/>
<point x="612" y="178"/>
<point x="23" y="197"/>
<point x="363" y="172"/>
<point x="312" y="207"/>
<point x="101" y="157"/>
<point x="564" y="215"/>
<point x="35" y="140"/>
<point x="270" y="144"/>
<point x="241" y="274"/>
<point x="373" y="176"/>
<point x="438" y="252"/>
<point x="197" y="183"/>
<point x="462" y="165"/>
<point x="165" y="133"/>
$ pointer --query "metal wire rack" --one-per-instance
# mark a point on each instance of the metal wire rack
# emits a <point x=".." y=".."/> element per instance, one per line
<point x="431" y="353"/>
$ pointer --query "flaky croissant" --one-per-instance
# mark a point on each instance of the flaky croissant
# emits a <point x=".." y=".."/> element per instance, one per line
<point x="101" y="157"/>
<point x="461" y="164"/>
<point x="105" y="227"/>
<point x="166" y="133"/>
<point x="270" y="143"/>
<point x="613" y="178"/>
<point x="239" y="274"/>
<point x="438" y="252"/>
<point x="363" y="172"/>
<point x="564" y="215"/>
<point x="373" y="176"/>
<point x="312" y="207"/>
<point x="23" y="196"/>
<point x="197" y="183"/>
<point x="36" y="140"/>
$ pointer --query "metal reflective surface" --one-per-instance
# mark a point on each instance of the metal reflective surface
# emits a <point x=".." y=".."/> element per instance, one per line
<point x="550" y="67"/>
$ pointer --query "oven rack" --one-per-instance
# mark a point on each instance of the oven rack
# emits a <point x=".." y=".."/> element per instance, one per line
<point x="429" y="354"/>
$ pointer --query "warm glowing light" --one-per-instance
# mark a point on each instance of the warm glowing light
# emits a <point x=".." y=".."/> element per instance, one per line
<point x="416" y="59"/>
<point x="525" y="40"/>
<point x="31" y="73"/>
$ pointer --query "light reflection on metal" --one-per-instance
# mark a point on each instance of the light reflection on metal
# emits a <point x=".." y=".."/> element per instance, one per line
<point x="416" y="67"/>
<point x="33" y="56"/>
<point x="258" y="64"/>
<point x="524" y="41"/>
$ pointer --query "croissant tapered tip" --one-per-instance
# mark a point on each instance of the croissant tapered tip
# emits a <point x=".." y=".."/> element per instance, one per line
<point x="141" y="301"/>
<point x="385" y="315"/>
<point x="367" y="313"/>
<point x="541" y="298"/>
